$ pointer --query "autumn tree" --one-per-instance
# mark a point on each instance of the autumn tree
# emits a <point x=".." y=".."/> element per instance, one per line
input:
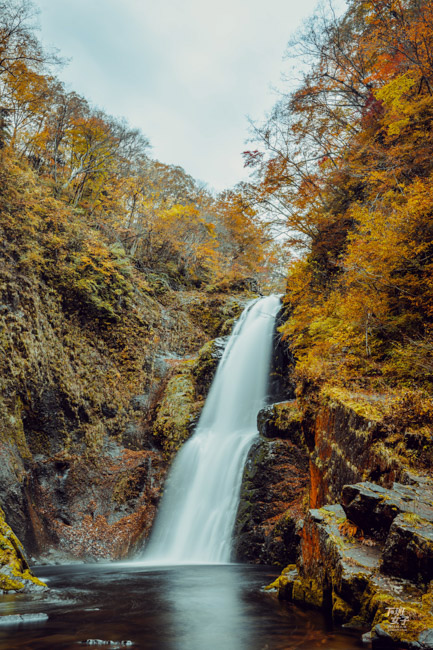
<point x="18" y="44"/>
<point x="161" y="218"/>
<point x="344" y="161"/>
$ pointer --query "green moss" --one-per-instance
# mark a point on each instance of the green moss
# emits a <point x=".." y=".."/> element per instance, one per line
<point x="342" y="612"/>
<point x="308" y="592"/>
<point x="94" y="437"/>
<point x="284" y="420"/>
<point x="126" y="489"/>
<point x="417" y="617"/>
<point x="10" y="584"/>
<point x="287" y="413"/>
<point x="284" y="583"/>
<point x="15" y="573"/>
<point x="277" y="583"/>
<point x="212" y="314"/>
<point x="177" y="411"/>
<point x="12" y="429"/>
<point x="204" y="368"/>
<point x="359" y="403"/>
<point x="378" y="605"/>
<point x="227" y="326"/>
<point x="288" y="569"/>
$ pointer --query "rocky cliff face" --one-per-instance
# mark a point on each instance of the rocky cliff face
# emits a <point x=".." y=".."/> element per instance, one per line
<point x="368" y="563"/>
<point x="273" y="491"/>
<point x="91" y="405"/>
<point x="366" y="538"/>
<point x="275" y="480"/>
<point x="338" y="487"/>
<point x="15" y="574"/>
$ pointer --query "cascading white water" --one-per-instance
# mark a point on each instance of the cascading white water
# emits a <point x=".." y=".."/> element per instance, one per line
<point x="198" y="509"/>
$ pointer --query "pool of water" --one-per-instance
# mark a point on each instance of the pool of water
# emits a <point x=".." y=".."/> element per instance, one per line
<point x="217" y="607"/>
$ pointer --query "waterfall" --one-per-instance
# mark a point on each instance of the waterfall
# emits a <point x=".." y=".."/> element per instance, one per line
<point x="197" y="513"/>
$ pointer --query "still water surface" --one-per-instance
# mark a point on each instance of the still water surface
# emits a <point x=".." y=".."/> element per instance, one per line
<point x="219" y="607"/>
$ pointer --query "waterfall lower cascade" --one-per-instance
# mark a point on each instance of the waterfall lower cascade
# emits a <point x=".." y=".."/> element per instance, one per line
<point x="197" y="513"/>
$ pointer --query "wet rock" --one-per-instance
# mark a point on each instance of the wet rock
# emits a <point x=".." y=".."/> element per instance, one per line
<point x="177" y="410"/>
<point x="408" y="550"/>
<point x="94" y="511"/>
<point x="374" y="508"/>
<point x="281" y="420"/>
<point x="15" y="573"/>
<point x="205" y="366"/>
<point x="382" y="581"/>
<point x="425" y="639"/>
<point x="281" y="384"/>
<point x="380" y="639"/>
<point x="341" y="610"/>
<point x="22" y="619"/>
<point x="273" y="486"/>
<point x="337" y="567"/>
<point x="283" y="585"/>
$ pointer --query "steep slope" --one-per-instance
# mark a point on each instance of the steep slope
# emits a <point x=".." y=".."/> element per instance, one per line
<point x="88" y="344"/>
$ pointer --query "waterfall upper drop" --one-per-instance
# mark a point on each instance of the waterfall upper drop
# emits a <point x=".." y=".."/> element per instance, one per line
<point x="197" y="513"/>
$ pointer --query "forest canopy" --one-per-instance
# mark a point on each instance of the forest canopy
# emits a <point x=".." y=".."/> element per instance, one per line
<point x="101" y="169"/>
<point x="342" y="174"/>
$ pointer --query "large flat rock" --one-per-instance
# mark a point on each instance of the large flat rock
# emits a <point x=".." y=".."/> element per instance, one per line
<point x="373" y="508"/>
<point x="408" y="550"/>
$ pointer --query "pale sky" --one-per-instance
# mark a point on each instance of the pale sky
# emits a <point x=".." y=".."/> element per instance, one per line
<point x="187" y="73"/>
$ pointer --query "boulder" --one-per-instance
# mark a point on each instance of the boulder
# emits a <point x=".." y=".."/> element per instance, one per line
<point x="380" y="581"/>
<point x="425" y="639"/>
<point x="273" y="487"/>
<point x="281" y="420"/>
<point x="205" y="366"/>
<point x="373" y="508"/>
<point x="15" y="574"/>
<point x="334" y="569"/>
<point x="408" y="550"/>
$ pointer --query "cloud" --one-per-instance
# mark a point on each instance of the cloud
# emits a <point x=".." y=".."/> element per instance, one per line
<point x="187" y="72"/>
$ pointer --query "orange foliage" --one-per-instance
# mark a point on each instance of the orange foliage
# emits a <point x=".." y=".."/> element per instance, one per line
<point x="349" y="165"/>
<point x="161" y="217"/>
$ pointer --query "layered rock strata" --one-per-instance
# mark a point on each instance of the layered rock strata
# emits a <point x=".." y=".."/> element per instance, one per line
<point x="368" y="562"/>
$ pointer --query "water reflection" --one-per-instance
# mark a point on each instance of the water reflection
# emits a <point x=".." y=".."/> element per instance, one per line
<point x="207" y="614"/>
<point x="178" y="608"/>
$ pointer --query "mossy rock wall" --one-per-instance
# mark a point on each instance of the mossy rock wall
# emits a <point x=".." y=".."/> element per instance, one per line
<point x="361" y="580"/>
<point x="206" y="364"/>
<point x="281" y="383"/>
<point x="347" y="443"/>
<point x="180" y="404"/>
<point x="15" y="574"/>
<point x="177" y="411"/>
<point x="78" y="394"/>
<point x="272" y="498"/>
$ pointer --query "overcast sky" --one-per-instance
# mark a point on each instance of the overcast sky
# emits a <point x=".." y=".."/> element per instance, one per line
<point x="186" y="72"/>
